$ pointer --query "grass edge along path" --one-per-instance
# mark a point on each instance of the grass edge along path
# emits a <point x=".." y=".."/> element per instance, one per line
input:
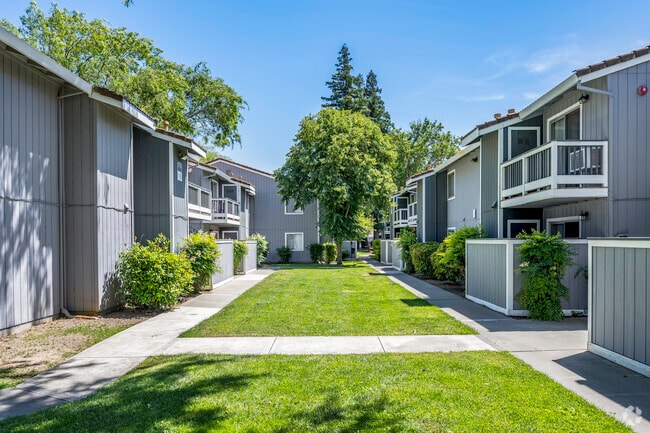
<point x="319" y="300"/>
<point x="434" y="392"/>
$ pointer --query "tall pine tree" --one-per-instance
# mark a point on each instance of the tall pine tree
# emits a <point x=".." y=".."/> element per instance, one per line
<point x="347" y="88"/>
<point x="376" y="108"/>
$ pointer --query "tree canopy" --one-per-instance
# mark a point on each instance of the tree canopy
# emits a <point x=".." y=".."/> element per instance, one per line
<point x="376" y="107"/>
<point x="347" y="88"/>
<point x="190" y="98"/>
<point x="339" y="158"/>
<point x="425" y="143"/>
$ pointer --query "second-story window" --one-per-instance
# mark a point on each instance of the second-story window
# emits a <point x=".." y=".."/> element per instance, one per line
<point x="566" y="127"/>
<point x="230" y="191"/>
<point x="451" y="185"/>
<point x="291" y="209"/>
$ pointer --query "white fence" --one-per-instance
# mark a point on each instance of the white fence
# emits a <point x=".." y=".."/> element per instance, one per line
<point x="226" y="264"/>
<point x="391" y="254"/>
<point x="249" y="262"/>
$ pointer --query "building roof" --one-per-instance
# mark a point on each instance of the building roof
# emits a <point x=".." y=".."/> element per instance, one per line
<point x="245" y="167"/>
<point x="622" y="58"/>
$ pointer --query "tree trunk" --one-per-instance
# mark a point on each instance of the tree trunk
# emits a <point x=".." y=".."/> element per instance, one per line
<point x="339" y="249"/>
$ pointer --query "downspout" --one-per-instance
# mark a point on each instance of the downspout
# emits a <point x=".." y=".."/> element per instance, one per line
<point x="63" y="302"/>
<point x="610" y="127"/>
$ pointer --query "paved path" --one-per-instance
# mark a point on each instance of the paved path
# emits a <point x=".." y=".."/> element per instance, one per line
<point x="556" y="349"/>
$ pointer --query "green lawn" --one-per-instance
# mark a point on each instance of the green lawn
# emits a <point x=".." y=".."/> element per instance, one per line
<point x="450" y="392"/>
<point x="328" y="300"/>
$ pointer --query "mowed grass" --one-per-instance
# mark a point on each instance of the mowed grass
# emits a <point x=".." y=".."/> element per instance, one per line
<point x="328" y="300"/>
<point x="450" y="392"/>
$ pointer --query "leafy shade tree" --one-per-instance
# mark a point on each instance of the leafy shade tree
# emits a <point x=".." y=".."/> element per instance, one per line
<point x="347" y="88"/>
<point x="376" y="108"/>
<point x="188" y="97"/>
<point x="425" y="143"/>
<point x="338" y="158"/>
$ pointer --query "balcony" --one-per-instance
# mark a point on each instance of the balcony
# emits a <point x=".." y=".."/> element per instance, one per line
<point x="198" y="202"/>
<point x="556" y="173"/>
<point x="400" y="217"/>
<point x="225" y="211"/>
<point x="413" y="214"/>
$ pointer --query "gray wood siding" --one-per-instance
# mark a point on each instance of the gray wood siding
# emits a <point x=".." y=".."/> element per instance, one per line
<point x="490" y="183"/>
<point x="151" y="195"/>
<point x="441" y="206"/>
<point x="629" y="181"/>
<point x="114" y="191"/>
<point x="467" y="192"/>
<point x="486" y="272"/>
<point x="620" y="300"/>
<point x="29" y="196"/>
<point x="81" y="204"/>
<point x="427" y="199"/>
<point x="226" y="262"/>
<point x="268" y="218"/>
<point x="594" y="225"/>
<point x="180" y="219"/>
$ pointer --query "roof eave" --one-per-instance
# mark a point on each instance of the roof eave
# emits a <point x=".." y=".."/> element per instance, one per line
<point x="549" y="96"/>
<point x="32" y="54"/>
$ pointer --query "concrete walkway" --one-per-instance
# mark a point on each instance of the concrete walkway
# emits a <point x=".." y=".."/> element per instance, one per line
<point x="556" y="349"/>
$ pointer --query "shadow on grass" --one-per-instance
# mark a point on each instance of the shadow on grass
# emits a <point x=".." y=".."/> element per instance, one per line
<point x="366" y="413"/>
<point x="318" y="266"/>
<point x="161" y="392"/>
<point x="416" y="302"/>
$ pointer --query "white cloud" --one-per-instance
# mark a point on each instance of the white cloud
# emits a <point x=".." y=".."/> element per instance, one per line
<point x="481" y="98"/>
<point x="531" y="95"/>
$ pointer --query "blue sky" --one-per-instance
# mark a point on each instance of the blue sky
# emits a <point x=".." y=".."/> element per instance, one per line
<point x="453" y="61"/>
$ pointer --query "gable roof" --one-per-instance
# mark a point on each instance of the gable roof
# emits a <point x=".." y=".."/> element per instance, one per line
<point x="245" y="167"/>
<point x="622" y="58"/>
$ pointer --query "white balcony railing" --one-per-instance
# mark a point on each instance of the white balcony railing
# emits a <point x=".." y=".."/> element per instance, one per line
<point x="400" y="217"/>
<point x="225" y="211"/>
<point x="198" y="202"/>
<point x="413" y="214"/>
<point x="561" y="170"/>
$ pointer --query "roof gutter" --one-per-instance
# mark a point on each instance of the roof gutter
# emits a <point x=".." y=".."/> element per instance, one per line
<point x="580" y="86"/>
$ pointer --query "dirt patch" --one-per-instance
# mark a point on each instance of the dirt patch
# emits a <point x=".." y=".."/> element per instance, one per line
<point x="34" y="350"/>
<point x="450" y="286"/>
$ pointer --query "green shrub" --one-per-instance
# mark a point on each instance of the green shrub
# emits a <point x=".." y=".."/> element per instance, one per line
<point x="345" y="254"/>
<point x="262" y="247"/>
<point x="544" y="260"/>
<point x="316" y="252"/>
<point x="330" y="252"/>
<point x="202" y="251"/>
<point x="240" y="249"/>
<point x="407" y="238"/>
<point x="376" y="248"/>
<point x="449" y="260"/>
<point x="151" y="276"/>
<point x="284" y="253"/>
<point x="421" y="256"/>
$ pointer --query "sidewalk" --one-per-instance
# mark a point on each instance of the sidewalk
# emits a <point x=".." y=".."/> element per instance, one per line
<point x="557" y="349"/>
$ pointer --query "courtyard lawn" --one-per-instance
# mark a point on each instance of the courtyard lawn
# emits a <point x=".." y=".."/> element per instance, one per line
<point x="459" y="392"/>
<point x="328" y="300"/>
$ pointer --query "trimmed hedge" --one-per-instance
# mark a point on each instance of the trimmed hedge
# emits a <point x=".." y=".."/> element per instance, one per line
<point x="331" y="252"/>
<point x="284" y="253"/>
<point x="376" y="248"/>
<point x="202" y="251"/>
<point x="421" y="255"/>
<point x="316" y="252"/>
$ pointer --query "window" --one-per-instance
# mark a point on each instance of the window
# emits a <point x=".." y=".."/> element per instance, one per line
<point x="179" y="171"/>
<point x="294" y="241"/>
<point x="567" y="227"/>
<point x="290" y="208"/>
<point x="230" y="191"/>
<point x="517" y="226"/>
<point x="565" y="125"/>
<point x="234" y="235"/>
<point x="450" y="230"/>
<point x="451" y="184"/>
<point x="522" y="139"/>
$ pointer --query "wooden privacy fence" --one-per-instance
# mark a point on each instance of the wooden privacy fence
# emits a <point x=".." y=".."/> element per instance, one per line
<point x="619" y="301"/>
<point x="226" y="264"/>
<point x="249" y="263"/>
<point x="491" y="278"/>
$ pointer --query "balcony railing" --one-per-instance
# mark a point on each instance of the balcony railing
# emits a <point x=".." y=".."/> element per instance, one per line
<point x="561" y="170"/>
<point x="225" y="211"/>
<point x="198" y="202"/>
<point x="400" y="217"/>
<point x="413" y="214"/>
